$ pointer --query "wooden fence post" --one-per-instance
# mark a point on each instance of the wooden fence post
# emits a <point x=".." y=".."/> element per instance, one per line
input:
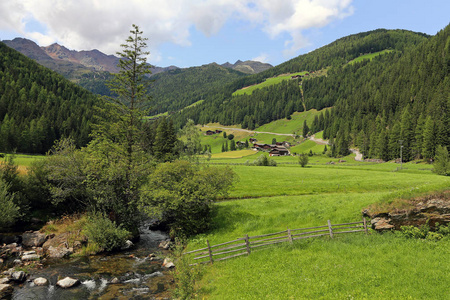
<point x="365" y="225"/>
<point x="247" y="243"/>
<point x="330" y="229"/>
<point x="289" y="235"/>
<point x="210" y="252"/>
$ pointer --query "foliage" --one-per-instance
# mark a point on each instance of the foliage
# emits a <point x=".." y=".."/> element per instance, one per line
<point x="303" y="160"/>
<point x="442" y="161"/>
<point x="192" y="144"/>
<point x="105" y="233"/>
<point x="181" y="195"/>
<point x="38" y="106"/>
<point x="185" y="275"/>
<point x="263" y="160"/>
<point x="9" y="211"/>
<point x="423" y="232"/>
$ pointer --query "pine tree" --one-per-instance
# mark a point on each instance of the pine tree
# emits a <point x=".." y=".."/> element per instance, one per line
<point x="429" y="138"/>
<point x="305" y="129"/>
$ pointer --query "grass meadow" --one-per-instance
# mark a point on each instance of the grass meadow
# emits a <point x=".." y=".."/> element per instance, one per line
<point x="353" y="266"/>
<point x="268" y="82"/>
<point x="369" y="56"/>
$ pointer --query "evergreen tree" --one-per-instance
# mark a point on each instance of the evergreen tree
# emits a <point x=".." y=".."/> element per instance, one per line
<point x="305" y="129"/>
<point x="429" y="138"/>
<point x="232" y="145"/>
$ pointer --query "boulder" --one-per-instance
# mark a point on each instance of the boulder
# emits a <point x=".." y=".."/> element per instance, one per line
<point x="41" y="281"/>
<point x="381" y="224"/>
<point x="30" y="257"/>
<point x="67" y="282"/>
<point x="165" y="244"/>
<point x="6" y="291"/>
<point x="18" y="276"/>
<point x="4" y="280"/>
<point x="17" y="262"/>
<point x="33" y="239"/>
<point x="115" y="280"/>
<point x="59" y="252"/>
<point x="168" y="263"/>
<point x="128" y="244"/>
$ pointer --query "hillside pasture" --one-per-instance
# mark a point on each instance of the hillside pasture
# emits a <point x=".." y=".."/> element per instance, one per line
<point x="268" y="82"/>
<point x="295" y="125"/>
<point x="369" y="56"/>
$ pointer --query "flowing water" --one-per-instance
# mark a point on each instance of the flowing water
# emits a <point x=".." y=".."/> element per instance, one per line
<point x="139" y="276"/>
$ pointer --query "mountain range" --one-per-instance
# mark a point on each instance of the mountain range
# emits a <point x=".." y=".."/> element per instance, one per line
<point x="72" y="63"/>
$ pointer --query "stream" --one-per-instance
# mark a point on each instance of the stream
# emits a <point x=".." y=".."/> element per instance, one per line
<point x="139" y="276"/>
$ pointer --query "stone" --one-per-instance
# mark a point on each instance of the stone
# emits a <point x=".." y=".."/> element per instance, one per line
<point x="4" y="280"/>
<point x="29" y="252"/>
<point x="128" y="244"/>
<point x="30" y="257"/>
<point x="1" y="261"/>
<point x="6" y="291"/>
<point x="33" y="239"/>
<point x="165" y="244"/>
<point x="59" y="252"/>
<point x="168" y="263"/>
<point x="115" y="280"/>
<point x="381" y="224"/>
<point x="18" y="276"/>
<point x="67" y="282"/>
<point x="41" y="281"/>
<point x="17" y="262"/>
<point x="152" y="255"/>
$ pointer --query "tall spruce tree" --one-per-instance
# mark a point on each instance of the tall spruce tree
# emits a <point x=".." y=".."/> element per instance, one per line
<point x="119" y="161"/>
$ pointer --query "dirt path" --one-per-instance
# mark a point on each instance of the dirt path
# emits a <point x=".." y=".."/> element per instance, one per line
<point x="318" y="141"/>
<point x="359" y="156"/>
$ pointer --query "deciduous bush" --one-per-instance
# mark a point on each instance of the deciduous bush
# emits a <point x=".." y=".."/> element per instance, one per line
<point x="181" y="195"/>
<point x="9" y="211"/>
<point x="263" y="160"/>
<point x="106" y="234"/>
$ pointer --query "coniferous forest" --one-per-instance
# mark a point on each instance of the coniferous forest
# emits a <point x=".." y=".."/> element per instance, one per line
<point x="38" y="106"/>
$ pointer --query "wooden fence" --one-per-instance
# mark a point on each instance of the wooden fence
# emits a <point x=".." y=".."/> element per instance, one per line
<point x="245" y="245"/>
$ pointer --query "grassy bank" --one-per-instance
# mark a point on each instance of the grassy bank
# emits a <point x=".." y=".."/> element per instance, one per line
<point x="269" y="199"/>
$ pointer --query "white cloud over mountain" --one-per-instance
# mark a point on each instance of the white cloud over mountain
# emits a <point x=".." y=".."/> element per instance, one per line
<point x="89" y="24"/>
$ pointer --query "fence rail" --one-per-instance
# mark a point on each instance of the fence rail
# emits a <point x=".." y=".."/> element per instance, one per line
<point x="244" y="245"/>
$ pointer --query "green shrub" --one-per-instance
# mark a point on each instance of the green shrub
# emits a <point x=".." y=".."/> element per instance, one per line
<point x="434" y="236"/>
<point x="303" y="160"/>
<point x="185" y="275"/>
<point x="9" y="211"/>
<point x="104" y="232"/>
<point x="263" y="160"/>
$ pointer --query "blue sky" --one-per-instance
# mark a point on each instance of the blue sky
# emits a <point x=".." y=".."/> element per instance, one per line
<point x="196" y="32"/>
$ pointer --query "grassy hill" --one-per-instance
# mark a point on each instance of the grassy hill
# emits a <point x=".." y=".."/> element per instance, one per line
<point x="269" y="199"/>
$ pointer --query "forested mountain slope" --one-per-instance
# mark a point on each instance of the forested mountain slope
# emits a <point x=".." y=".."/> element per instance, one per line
<point x="400" y="97"/>
<point x="280" y="101"/>
<point x="39" y="106"/>
<point x="176" y="89"/>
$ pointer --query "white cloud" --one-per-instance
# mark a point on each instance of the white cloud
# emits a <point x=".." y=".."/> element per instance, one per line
<point x="89" y="24"/>
<point x="263" y="57"/>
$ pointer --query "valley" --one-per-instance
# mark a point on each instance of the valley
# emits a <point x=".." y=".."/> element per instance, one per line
<point x="208" y="154"/>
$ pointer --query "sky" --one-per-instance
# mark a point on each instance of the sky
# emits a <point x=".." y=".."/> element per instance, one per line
<point x="188" y="33"/>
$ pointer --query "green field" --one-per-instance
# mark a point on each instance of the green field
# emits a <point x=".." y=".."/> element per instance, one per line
<point x="369" y="56"/>
<point x="269" y="199"/>
<point x="23" y="159"/>
<point x="295" y="125"/>
<point x="268" y="82"/>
